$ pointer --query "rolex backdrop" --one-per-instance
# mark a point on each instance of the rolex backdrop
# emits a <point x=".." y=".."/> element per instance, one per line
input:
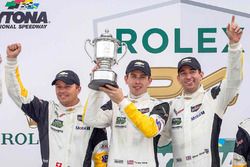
<point x="53" y="33"/>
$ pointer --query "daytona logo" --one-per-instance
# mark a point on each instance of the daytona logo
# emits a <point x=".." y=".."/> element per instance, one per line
<point x="23" y="14"/>
<point x="21" y="17"/>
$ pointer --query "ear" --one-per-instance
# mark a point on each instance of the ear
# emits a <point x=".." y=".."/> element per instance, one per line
<point x="150" y="80"/>
<point x="178" y="78"/>
<point x="79" y="88"/>
<point x="202" y="74"/>
<point x="126" y="79"/>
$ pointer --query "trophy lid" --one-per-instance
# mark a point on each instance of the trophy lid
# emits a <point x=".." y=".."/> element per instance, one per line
<point x="106" y="36"/>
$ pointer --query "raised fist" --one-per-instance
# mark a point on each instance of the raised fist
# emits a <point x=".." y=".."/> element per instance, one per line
<point x="13" y="50"/>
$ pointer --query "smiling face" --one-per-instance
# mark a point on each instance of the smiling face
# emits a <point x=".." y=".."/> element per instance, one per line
<point x="137" y="82"/>
<point x="190" y="79"/>
<point x="67" y="94"/>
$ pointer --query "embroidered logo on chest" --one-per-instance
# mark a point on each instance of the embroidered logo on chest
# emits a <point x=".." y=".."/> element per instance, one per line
<point x="79" y="118"/>
<point x="197" y="115"/>
<point x="120" y="122"/>
<point x="178" y="112"/>
<point x="82" y="128"/>
<point x="176" y="121"/>
<point x="195" y="108"/>
<point x="57" y="123"/>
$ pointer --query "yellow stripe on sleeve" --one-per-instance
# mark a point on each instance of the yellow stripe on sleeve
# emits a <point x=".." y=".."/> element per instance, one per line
<point x="24" y="91"/>
<point x="144" y="123"/>
<point x="84" y="110"/>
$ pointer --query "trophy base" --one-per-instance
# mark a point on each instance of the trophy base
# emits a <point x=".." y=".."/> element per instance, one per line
<point x="95" y="84"/>
<point x="101" y="78"/>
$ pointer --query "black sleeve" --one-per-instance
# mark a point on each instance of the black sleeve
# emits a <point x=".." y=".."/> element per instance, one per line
<point x="162" y="110"/>
<point x="36" y="109"/>
<point x="99" y="135"/>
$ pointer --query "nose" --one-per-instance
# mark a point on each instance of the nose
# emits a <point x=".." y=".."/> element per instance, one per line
<point x="188" y="75"/>
<point x="137" y="80"/>
<point x="61" y="90"/>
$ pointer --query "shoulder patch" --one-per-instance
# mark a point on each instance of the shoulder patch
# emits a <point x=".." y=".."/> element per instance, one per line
<point x="162" y="110"/>
<point x="215" y="91"/>
<point x="107" y="106"/>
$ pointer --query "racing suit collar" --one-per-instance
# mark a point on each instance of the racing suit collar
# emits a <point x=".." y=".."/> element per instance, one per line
<point x="132" y="97"/>
<point x="70" y="109"/>
<point x="193" y="95"/>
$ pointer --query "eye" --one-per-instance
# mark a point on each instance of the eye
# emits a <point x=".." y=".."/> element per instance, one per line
<point x="182" y="73"/>
<point x="68" y="86"/>
<point x="133" y="76"/>
<point x="58" y="87"/>
<point x="192" y="71"/>
<point x="143" y="77"/>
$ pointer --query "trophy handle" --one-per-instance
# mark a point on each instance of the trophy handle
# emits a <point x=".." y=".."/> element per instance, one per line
<point x="126" y="48"/>
<point x="85" y="48"/>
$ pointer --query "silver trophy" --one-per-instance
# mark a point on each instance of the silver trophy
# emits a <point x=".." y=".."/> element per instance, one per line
<point x="105" y="54"/>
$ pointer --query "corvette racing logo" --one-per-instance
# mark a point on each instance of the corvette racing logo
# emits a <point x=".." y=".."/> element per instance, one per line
<point x="23" y="14"/>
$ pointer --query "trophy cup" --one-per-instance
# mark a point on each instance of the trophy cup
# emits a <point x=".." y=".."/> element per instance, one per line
<point x="105" y="55"/>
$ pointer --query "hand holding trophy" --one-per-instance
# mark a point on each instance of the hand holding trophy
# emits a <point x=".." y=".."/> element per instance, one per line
<point x="105" y="55"/>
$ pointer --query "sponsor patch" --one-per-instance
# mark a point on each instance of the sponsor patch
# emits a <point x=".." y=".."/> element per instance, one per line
<point x="176" y="121"/>
<point x="58" y="164"/>
<point x="82" y="128"/>
<point x="206" y="151"/>
<point x="136" y="162"/>
<point x="158" y="123"/>
<point x="178" y="112"/>
<point x="144" y="110"/>
<point x="197" y="115"/>
<point x="120" y="122"/>
<point x="104" y="146"/>
<point x="195" y="156"/>
<point x="130" y="162"/>
<point x="105" y="158"/>
<point x="118" y="161"/>
<point x="79" y="118"/>
<point x="57" y="123"/>
<point x="201" y="153"/>
<point x="188" y="157"/>
<point x="195" y="108"/>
